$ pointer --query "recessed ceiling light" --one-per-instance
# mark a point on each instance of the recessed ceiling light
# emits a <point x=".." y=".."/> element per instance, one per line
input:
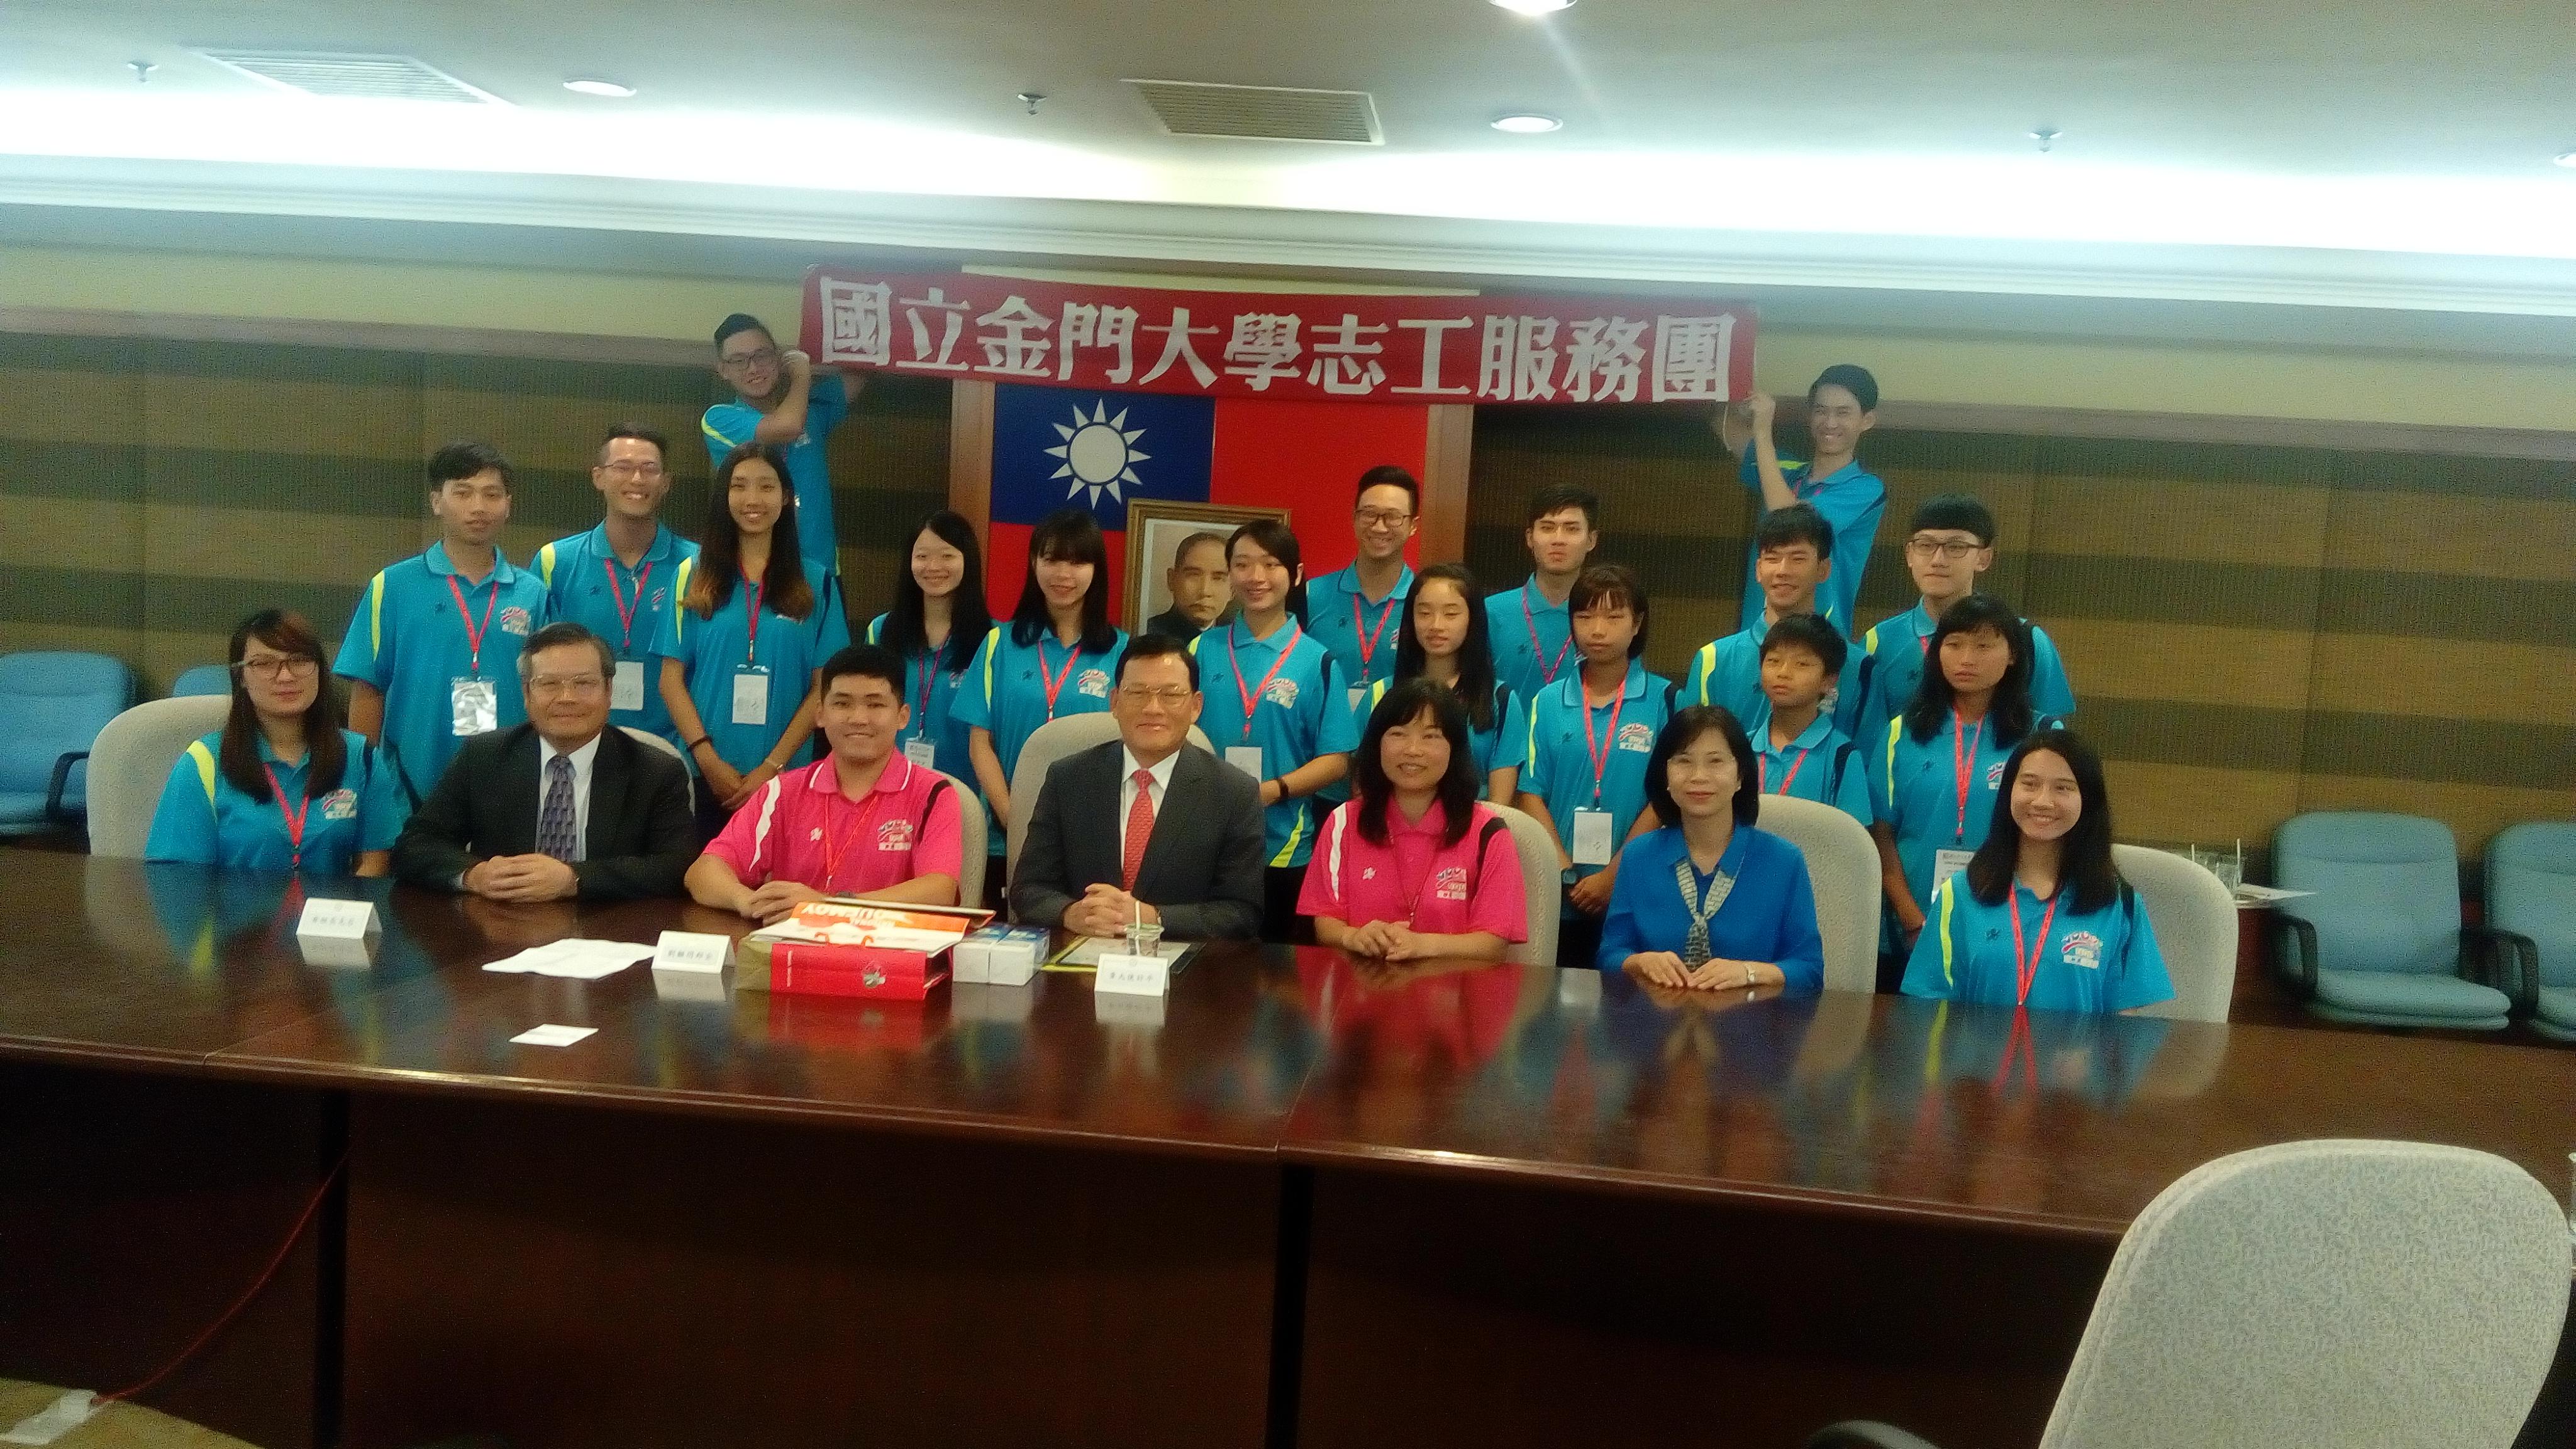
<point x="2566" y="159"/>
<point x="594" y="86"/>
<point x="1533" y="7"/>
<point x="1527" y="123"/>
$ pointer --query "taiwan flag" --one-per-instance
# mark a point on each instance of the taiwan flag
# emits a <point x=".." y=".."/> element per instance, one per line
<point x="1060" y="447"/>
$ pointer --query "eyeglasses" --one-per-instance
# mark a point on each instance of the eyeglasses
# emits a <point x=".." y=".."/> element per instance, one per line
<point x="573" y="684"/>
<point x="1382" y="518"/>
<point x="284" y="666"/>
<point x="1953" y="549"/>
<point x="1170" y="696"/>
<point x="765" y="357"/>
<point x="627" y="468"/>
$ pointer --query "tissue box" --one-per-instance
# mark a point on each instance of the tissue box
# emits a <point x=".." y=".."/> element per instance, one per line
<point x="1001" y="955"/>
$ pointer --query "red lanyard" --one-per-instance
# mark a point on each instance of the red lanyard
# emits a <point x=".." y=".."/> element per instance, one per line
<point x="1531" y="619"/>
<point x="751" y="648"/>
<point x="473" y="632"/>
<point x="836" y="842"/>
<point x="625" y="610"/>
<point x="1054" y="683"/>
<point x="294" y="822"/>
<point x="1252" y="697"/>
<point x="1963" y="762"/>
<point x="1601" y="753"/>
<point x="1764" y="765"/>
<point x="930" y="677"/>
<point x="2028" y="967"/>
<point x="1369" y="639"/>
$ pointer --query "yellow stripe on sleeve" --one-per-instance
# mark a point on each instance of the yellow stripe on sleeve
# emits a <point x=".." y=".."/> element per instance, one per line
<point x="546" y="565"/>
<point x="1894" y="726"/>
<point x="1945" y="900"/>
<point x="205" y="759"/>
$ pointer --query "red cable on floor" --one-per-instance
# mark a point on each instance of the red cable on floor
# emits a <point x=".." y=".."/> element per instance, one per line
<point x="244" y="1301"/>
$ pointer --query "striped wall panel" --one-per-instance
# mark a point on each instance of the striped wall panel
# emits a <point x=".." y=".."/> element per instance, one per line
<point x="2252" y="631"/>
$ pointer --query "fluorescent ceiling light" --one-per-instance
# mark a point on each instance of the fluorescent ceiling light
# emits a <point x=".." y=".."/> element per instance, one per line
<point x="594" y="86"/>
<point x="1533" y="7"/>
<point x="1527" y="123"/>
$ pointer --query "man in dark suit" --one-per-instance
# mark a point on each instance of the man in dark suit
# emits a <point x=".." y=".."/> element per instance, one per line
<point x="1148" y="826"/>
<point x="561" y="806"/>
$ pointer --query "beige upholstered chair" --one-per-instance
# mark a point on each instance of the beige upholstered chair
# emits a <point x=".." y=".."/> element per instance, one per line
<point x="1539" y="886"/>
<point x="131" y="762"/>
<point x="1842" y="867"/>
<point x="2194" y="917"/>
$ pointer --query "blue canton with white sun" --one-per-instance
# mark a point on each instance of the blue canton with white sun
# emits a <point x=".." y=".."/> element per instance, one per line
<point x="1100" y="451"/>
<point x="1100" y="454"/>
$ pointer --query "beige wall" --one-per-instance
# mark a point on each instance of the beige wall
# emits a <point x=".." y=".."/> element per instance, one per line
<point x="1918" y="369"/>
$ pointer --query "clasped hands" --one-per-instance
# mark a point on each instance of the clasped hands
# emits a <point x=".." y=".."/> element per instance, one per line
<point x="529" y="877"/>
<point x="1717" y="973"/>
<point x="1105" y="910"/>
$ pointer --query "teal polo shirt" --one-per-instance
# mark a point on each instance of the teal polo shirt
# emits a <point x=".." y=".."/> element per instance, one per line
<point x="587" y="584"/>
<point x="408" y="641"/>
<point x="729" y="425"/>
<point x="1851" y="498"/>
<point x="930" y="690"/>
<point x="1560" y="756"/>
<point x="1359" y="632"/>
<point x="1533" y="640"/>
<point x="205" y="819"/>
<point x="1012" y="688"/>
<point x="1913" y="789"/>
<point x="2096" y="961"/>
<point x="712" y="649"/>
<point x="1893" y="656"/>
<point x="1728" y="673"/>
<point x="1821" y="764"/>
<point x="1285" y="696"/>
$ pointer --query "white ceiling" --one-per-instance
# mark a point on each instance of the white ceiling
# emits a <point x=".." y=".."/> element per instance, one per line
<point x="2379" y="154"/>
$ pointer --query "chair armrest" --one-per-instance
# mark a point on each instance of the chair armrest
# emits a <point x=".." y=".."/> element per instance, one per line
<point x="1865" y="1434"/>
<point x="2295" y="953"/>
<point x="2505" y="960"/>
<point x="62" y="779"/>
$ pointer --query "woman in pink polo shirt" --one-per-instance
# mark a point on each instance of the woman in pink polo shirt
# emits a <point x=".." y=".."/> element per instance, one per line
<point x="1413" y="867"/>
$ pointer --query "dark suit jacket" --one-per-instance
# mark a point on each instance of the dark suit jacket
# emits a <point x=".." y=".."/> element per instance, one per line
<point x="1202" y="868"/>
<point x="642" y="836"/>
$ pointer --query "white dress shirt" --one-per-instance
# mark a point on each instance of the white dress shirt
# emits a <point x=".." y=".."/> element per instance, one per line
<point x="1127" y="787"/>
<point x="581" y="762"/>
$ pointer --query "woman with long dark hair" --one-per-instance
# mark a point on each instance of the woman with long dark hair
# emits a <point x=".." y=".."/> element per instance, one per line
<point x="1709" y="902"/>
<point x="937" y="623"/>
<point x="1414" y="866"/>
<point x="283" y="785"/>
<point x="2040" y="917"/>
<point x="1934" y="773"/>
<point x="756" y="620"/>
<point x="1446" y="639"/>
<point x="1278" y="708"/>
<point x="1057" y="656"/>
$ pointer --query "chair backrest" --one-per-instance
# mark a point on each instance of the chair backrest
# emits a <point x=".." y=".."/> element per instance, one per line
<point x="1540" y="887"/>
<point x="2387" y="889"/>
<point x="202" y="679"/>
<point x="1842" y="867"/>
<point x="131" y="762"/>
<point x="2327" y="1293"/>
<point x="2194" y="917"/>
<point x="974" y="838"/>
<point x="2531" y="890"/>
<point x="1053" y="741"/>
<point x="54" y="703"/>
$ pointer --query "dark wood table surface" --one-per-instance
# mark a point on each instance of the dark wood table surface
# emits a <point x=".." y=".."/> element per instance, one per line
<point x="1405" y="1128"/>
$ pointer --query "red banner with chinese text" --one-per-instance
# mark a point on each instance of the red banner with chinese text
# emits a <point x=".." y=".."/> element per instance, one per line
<point x="1307" y="347"/>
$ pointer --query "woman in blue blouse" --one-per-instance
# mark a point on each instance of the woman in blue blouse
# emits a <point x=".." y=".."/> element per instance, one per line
<point x="755" y="622"/>
<point x="2040" y="917"/>
<point x="1709" y="902"/>
<point x="937" y="623"/>
<point x="282" y="786"/>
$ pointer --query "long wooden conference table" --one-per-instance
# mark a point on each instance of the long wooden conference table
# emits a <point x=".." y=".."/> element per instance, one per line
<point x="1302" y="1201"/>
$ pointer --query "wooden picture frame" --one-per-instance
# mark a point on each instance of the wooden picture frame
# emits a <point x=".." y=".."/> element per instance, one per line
<point x="1156" y="526"/>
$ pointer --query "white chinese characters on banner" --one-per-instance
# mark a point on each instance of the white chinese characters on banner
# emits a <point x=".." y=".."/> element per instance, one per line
<point x="1278" y="345"/>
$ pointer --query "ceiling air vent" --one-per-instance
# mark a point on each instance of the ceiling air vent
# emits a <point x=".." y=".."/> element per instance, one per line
<point x="1264" y="113"/>
<point x="369" y="77"/>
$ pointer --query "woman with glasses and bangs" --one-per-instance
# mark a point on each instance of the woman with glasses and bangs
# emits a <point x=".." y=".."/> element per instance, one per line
<point x="283" y="785"/>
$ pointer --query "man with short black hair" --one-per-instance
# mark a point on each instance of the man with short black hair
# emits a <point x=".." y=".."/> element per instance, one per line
<point x="615" y="579"/>
<point x="779" y="400"/>
<point x="1842" y="404"/>
<point x="1352" y="611"/>
<point x="1532" y="630"/>
<point x="564" y="805"/>
<point x="1950" y="543"/>
<point x="1148" y="826"/>
<point x="1793" y="561"/>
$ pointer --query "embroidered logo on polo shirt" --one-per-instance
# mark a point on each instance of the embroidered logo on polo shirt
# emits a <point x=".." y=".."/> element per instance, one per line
<point x="340" y="805"/>
<point x="894" y="835"/>
<point x="514" y="620"/>
<point x="1637" y="737"/>
<point x="1368" y="872"/>
<point x="1450" y="884"/>
<point x="1281" y="692"/>
<point x="658" y="596"/>
<point x="1094" y="683"/>
<point x="2082" y="948"/>
<point x="1995" y="776"/>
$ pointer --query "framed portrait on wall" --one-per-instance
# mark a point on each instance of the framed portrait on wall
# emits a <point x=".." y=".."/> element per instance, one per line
<point x="1156" y="529"/>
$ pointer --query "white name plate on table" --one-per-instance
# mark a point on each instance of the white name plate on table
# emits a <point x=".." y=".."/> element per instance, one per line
<point x="692" y="951"/>
<point x="1134" y="975"/>
<point x="337" y="933"/>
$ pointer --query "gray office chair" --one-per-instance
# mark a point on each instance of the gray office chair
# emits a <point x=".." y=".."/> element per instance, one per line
<point x="1842" y="868"/>
<point x="2316" y="1295"/>
<point x="131" y="761"/>
<point x="1053" y="741"/>
<point x="2194" y="917"/>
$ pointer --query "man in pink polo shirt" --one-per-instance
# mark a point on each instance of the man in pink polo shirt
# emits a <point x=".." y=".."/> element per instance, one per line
<point x="865" y="821"/>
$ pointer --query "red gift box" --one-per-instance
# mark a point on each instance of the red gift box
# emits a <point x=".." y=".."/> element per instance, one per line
<point x="815" y="968"/>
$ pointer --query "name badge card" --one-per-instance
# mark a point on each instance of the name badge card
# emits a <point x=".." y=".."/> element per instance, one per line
<point x="337" y="933"/>
<point x="922" y="753"/>
<point x="474" y="706"/>
<point x="751" y="695"/>
<point x="626" y="691"/>
<point x="1591" y="836"/>
<point x="1351" y="697"/>
<point x="1246" y="758"/>
<point x="1134" y="975"/>
<point x="1947" y="863"/>
<point x="691" y="951"/>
